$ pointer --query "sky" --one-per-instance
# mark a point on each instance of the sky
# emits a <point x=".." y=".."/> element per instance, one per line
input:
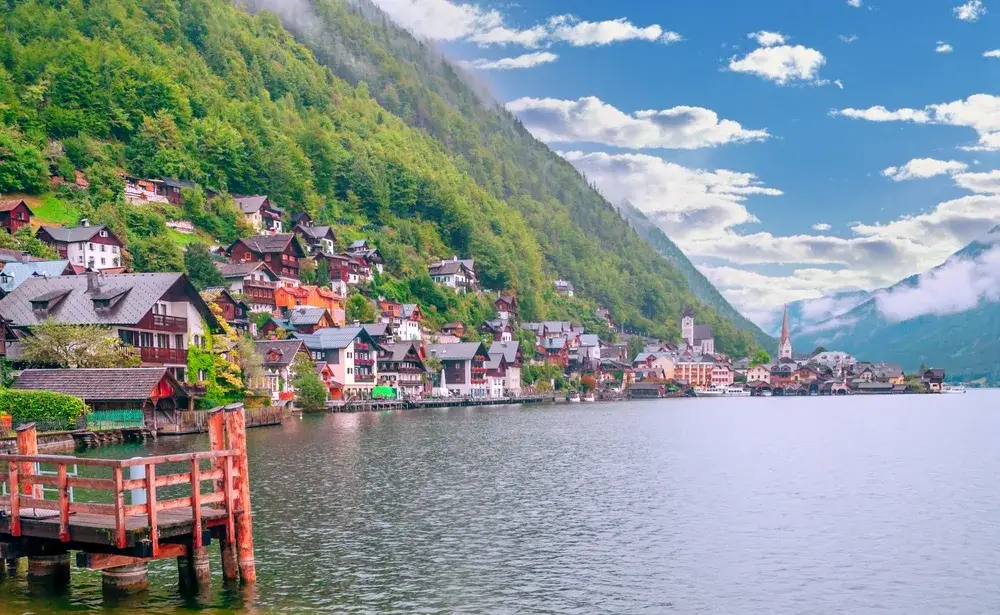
<point x="790" y="148"/>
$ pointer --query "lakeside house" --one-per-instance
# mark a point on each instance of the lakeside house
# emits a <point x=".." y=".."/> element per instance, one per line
<point x="315" y="238"/>
<point x="457" y="274"/>
<point x="281" y="252"/>
<point x="277" y="357"/>
<point x="235" y="312"/>
<point x="759" y="373"/>
<point x="367" y="254"/>
<point x="513" y="359"/>
<point x="302" y="319"/>
<point x="463" y="371"/>
<point x="260" y="213"/>
<point x="254" y="280"/>
<point x="400" y="366"/>
<point x="933" y="379"/>
<point x="154" y="391"/>
<point x="157" y="313"/>
<point x="93" y="247"/>
<point x="351" y="354"/>
<point x="506" y="307"/>
<point x="15" y="214"/>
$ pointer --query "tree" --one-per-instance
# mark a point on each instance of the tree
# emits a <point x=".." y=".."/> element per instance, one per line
<point x="635" y="346"/>
<point x="817" y="350"/>
<point x="310" y="393"/>
<point x="760" y="358"/>
<point x="588" y="383"/>
<point x="201" y="267"/>
<point x="77" y="346"/>
<point x="360" y="309"/>
<point x="159" y="253"/>
<point x="433" y="365"/>
<point x="250" y="362"/>
<point x="307" y="271"/>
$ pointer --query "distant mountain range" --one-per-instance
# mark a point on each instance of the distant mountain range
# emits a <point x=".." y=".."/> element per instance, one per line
<point x="946" y="317"/>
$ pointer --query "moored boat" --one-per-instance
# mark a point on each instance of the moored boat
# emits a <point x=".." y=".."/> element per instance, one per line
<point x="735" y="391"/>
<point x="953" y="389"/>
<point x="573" y="397"/>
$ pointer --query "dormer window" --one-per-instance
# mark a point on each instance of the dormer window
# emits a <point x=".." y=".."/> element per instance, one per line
<point x="104" y="233"/>
<point x="40" y="305"/>
<point x="102" y="304"/>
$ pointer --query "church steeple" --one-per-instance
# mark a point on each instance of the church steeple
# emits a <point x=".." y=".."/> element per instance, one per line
<point x="785" y="343"/>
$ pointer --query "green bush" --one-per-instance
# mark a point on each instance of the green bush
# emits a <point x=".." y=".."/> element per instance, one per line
<point x="53" y="410"/>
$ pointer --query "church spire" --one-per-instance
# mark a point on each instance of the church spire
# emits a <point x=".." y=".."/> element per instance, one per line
<point x="785" y="343"/>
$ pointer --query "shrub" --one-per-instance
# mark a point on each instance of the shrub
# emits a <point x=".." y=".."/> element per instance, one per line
<point x="51" y="410"/>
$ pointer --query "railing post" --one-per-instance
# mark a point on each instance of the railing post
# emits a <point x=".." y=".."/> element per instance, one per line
<point x="236" y="426"/>
<point x="27" y="444"/>
<point x="63" y="504"/>
<point x="154" y="528"/>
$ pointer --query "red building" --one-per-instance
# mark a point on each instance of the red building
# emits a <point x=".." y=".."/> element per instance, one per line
<point x="14" y="215"/>
<point x="280" y="252"/>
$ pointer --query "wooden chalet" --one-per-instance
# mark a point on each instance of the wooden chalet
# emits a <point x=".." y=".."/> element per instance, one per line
<point x="281" y="252"/>
<point x="14" y="215"/>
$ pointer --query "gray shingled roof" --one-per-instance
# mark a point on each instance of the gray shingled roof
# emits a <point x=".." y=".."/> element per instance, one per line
<point x="250" y="204"/>
<point x="590" y="339"/>
<point x="268" y="244"/>
<point x="451" y="266"/>
<point x="332" y="339"/>
<point x="287" y="349"/>
<point x="98" y="384"/>
<point x="702" y="332"/>
<point x="141" y="291"/>
<point x="73" y="234"/>
<point x="456" y="352"/>
<point x="242" y="270"/>
<point x="305" y="315"/>
<point x="316" y="232"/>
<point x="507" y="349"/>
<point x="398" y="351"/>
<point x="15" y="273"/>
<point x="376" y="329"/>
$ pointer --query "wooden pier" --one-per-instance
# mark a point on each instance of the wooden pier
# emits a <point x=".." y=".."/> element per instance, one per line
<point x="40" y="518"/>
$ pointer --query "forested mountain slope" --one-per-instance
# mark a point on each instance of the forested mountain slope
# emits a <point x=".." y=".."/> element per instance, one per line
<point x="582" y="236"/>
<point x="202" y="90"/>
<point x="947" y="317"/>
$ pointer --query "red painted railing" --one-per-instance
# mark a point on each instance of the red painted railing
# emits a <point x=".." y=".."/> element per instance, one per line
<point x="163" y="355"/>
<point x="161" y="322"/>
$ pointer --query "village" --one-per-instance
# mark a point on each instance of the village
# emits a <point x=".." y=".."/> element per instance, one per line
<point x="188" y="342"/>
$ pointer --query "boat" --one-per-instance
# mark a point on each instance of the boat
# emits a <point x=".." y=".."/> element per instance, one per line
<point x="573" y="397"/>
<point x="713" y="391"/>
<point x="589" y="397"/>
<point x="766" y="393"/>
<point x="735" y="391"/>
<point x="953" y="389"/>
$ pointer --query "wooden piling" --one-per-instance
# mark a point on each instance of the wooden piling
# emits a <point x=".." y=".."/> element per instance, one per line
<point x="27" y="444"/>
<point x="237" y="434"/>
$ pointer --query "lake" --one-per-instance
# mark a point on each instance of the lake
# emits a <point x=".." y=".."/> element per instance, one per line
<point x="751" y="505"/>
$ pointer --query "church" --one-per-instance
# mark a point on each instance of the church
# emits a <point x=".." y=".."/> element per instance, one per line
<point x="785" y="343"/>
<point x="697" y="337"/>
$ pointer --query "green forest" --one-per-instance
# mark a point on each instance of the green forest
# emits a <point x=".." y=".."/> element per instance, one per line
<point x="358" y="124"/>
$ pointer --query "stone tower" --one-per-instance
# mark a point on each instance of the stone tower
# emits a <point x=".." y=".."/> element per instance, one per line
<point x="687" y="325"/>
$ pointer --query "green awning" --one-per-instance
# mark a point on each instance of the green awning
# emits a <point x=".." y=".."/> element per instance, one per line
<point x="383" y="392"/>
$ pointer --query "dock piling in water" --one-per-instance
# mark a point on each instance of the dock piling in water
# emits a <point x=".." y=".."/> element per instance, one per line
<point x="120" y="539"/>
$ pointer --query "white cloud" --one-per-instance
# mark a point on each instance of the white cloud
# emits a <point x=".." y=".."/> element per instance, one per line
<point x="447" y="20"/>
<point x="821" y="226"/>
<point x="838" y="83"/>
<point x="992" y="53"/>
<point x="943" y="47"/>
<point x="528" y="60"/>
<point x="981" y="112"/>
<point x="980" y="183"/>
<point x="782" y="64"/>
<point x="582" y="33"/>
<point x="687" y="204"/>
<point x="757" y="295"/>
<point x="956" y="286"/>
<point x="922" y="168"/>
<point x="848" y="39"/>
<point x="767" y="39"/>
<point x="855" y="3"/>
<point x="879" y="113"/>
<point x="970" y="11"/>
<point x="592" y="120"/>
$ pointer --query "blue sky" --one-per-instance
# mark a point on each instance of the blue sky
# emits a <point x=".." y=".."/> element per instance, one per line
<point x="745" y="128"/>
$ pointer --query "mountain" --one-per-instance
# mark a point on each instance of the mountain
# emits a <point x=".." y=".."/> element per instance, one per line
<point x="696" y="280"/>
<point x="806" y="313"/>
<point x="946" y="317"/>
<point x="357" y="123"/>
<point x="583" y="237"/>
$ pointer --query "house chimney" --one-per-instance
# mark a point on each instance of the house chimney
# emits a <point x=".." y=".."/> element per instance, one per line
<point x="93" y="282"/>
<point x="85" y="222"/>
<point x="25" y="257"/>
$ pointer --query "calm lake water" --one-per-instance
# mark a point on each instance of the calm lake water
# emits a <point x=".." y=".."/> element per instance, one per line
<point x="777" y="506"/>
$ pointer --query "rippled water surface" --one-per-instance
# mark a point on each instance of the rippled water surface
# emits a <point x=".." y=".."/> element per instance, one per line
<point x="777" y="506"/>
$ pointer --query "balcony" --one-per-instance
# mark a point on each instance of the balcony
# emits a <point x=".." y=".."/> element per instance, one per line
<point x="479" y="381"/>
<point x="360" y="346"/>
<point x="163" y="355"/>
<point x="162" y="322"/>
<point x="364" y="377"/>
<point x="364" y="362"/>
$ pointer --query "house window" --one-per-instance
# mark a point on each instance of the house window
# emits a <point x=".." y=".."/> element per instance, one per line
<point x="350" y="370"/>
<point x="103" y="261"/>
<point x="90" y="246"/>
<point x="103" y="248"/>
<point x="201" y="375"/>
<point x="104" y="233"/>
